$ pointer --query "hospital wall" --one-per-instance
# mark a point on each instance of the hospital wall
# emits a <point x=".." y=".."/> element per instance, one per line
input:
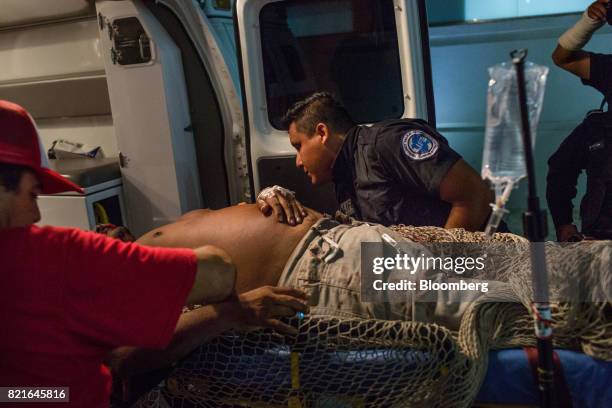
<point x="461" y="55"/>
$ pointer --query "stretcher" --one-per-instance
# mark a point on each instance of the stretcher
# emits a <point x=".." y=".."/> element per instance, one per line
<point x="509" y="381"/>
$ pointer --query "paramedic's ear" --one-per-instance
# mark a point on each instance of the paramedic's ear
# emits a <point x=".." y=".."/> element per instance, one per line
<point x="322" y="131"/>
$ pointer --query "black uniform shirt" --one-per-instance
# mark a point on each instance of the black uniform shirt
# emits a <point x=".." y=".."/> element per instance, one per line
<point x="390" y="173"/>
<point x="600" y="76"/>
<point x="588" y="147"/>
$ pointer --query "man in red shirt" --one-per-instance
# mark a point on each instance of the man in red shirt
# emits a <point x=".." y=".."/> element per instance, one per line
<point x="69" y="297"/>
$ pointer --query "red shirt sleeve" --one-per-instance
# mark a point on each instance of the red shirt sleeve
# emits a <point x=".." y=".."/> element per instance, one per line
<point x="123" y="293"/>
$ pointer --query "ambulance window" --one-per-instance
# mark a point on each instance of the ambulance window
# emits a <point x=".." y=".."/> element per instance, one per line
<point x="346" y="47"/>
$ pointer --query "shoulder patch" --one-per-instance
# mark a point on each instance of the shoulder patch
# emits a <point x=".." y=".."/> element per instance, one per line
<point x="418" y="145"/>
<point x="597" y="146"/>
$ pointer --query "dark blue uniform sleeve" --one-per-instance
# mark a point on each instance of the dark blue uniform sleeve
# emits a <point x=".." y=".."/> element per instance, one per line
<point x="600" y="76"/>
<point x="564" y="167"/>
<point x="416" y="157"/>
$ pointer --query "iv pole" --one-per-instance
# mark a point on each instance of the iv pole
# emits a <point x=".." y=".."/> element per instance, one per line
<point x="534" y="224"/>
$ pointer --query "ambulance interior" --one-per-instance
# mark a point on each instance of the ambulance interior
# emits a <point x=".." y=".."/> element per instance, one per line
<point x="161" y="89"/>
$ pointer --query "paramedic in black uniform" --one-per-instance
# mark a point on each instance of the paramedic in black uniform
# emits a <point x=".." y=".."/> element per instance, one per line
<point x="589" y="146"/>
<point x="399" y="171"/>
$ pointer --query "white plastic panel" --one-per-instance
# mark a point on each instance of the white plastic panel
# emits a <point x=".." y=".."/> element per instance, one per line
<point x="68" y="97"/>
<point x="265" y="140"/>
<point x="150" y="115"/>
<point x="75" y="210"/>
<point x="50" y="52"/>
<point x="61" y="211"/>
<point x="18" y="12"/>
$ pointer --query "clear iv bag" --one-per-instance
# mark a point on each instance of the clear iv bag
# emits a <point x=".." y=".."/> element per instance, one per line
<point x="503" y="159"/>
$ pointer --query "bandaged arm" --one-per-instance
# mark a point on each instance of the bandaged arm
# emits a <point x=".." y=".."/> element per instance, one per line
<point x="579" y="35"/>
<point x="568" y="54"/>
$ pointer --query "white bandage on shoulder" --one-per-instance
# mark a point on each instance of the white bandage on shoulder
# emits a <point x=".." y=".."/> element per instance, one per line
<point x="271" y="192"/>
<point x="576" y="37"/>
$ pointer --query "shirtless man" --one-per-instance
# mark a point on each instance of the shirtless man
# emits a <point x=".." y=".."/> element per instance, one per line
<point x="261" y="249"/>
<point x="318" y="256"/>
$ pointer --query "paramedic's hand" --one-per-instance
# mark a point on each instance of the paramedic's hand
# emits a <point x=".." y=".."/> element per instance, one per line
<point x="282" y="203"/>
<point x="263" y="306"/>
<point x="597" y="10"/>
<point x="569" y="233"/>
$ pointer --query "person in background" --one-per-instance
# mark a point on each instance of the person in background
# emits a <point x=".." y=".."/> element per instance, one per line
<point x="399" y="171"/>
<point x="589" y="146"/>
<point x="69" y="297"/>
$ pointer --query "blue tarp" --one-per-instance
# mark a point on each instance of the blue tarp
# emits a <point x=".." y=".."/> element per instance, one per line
<point x="509" y="379"/>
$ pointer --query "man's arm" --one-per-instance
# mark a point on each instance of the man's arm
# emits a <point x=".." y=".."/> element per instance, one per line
<point x="469" y="196"/>
<point x="257" y="308"/>
<point x="215" y="277"/>
<point x="577" y="62"/>
<point x="193" y="328"/>
<point x="442" y="173"/>
<point x="568" y="54"/>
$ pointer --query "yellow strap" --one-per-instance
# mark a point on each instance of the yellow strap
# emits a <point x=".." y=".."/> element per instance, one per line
<point x="294" y="400"/>
<point x="101" y="214"/>
<point x="295" y="370"/>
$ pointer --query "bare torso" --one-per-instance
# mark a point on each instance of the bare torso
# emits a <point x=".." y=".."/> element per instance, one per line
<point x="258" y="245"/>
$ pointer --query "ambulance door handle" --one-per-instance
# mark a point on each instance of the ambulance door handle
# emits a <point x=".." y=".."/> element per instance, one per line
<point x="144" y="47"/>
<point x="123" y="160"/>
<point x="101" y="21"/>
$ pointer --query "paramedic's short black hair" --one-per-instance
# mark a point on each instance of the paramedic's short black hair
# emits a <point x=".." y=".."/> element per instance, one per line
<point x="320" y="107"/>
<point x="10" y="176"/>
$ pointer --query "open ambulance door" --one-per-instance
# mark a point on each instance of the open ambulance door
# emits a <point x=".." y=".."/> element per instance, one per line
<point x="150" y="113"/>
<point x="373" y="55"/>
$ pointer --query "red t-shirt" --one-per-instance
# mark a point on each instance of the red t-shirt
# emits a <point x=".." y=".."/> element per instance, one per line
<point x="68" y="297"/>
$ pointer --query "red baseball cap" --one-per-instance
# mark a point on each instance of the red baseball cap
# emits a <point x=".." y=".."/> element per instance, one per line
<point x="20" y="144"/>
